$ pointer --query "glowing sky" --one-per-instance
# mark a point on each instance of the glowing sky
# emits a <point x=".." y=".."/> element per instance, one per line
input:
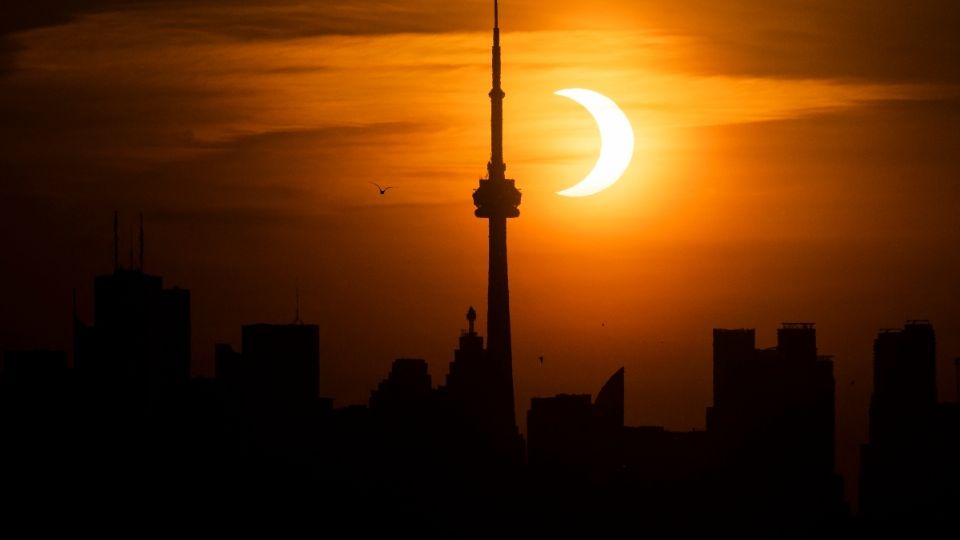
<point x="794" y="161"/>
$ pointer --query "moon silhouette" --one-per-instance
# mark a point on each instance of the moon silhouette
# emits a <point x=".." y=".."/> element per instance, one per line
<point x="616" y="142"/>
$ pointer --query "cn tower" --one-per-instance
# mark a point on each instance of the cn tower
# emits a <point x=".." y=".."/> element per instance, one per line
<point x="496" y="200"/>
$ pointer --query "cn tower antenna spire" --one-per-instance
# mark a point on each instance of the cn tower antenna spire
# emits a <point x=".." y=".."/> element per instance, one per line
<point x="496" y="168"/>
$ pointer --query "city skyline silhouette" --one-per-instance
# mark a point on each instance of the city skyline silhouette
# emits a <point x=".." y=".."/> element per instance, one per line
<point x="822" y="196"/>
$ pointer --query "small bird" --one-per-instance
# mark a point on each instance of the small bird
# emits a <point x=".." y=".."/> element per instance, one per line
<point x="383" y="190"/>
<point x="541" y="359"/>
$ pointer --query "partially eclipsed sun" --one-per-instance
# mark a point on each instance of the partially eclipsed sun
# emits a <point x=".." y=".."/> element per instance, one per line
<point x="616" y="142"/>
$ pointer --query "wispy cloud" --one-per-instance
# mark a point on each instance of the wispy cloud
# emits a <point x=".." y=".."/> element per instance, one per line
<point x="886" y="40"/>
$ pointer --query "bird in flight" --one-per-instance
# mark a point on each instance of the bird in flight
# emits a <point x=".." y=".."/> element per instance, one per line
<point x="383" y="190"/>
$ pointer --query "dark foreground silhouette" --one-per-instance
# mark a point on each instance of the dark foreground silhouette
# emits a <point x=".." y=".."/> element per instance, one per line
<point x="126" y="439"/>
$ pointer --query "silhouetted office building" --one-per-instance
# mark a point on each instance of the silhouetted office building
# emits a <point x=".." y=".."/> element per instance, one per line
<point x="773" y="420"/>
<point x="904" y="381"/>
<point x="608" y="407"/>
<point x="560" y="432"/>
<point x="908" y="468"/>
<point x="497" y="199"/>
<point x="568" y="431"/>
<point x="473" y="405"/>
<point x="409" y="436"/>
<point x="469" y="377"/>
<point x="407" y="385"/>
<point x="140" y="337"/>
<point x="586" y="462"/>
<point x="281" y="361"/>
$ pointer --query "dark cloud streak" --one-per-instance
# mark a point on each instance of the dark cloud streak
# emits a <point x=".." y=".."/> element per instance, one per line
<point x="884" y="40"/>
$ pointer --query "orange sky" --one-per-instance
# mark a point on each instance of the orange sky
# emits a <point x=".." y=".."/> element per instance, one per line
<point x="795" y="161"/>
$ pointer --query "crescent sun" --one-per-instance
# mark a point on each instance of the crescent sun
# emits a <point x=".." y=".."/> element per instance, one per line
<point x="616" y="142"/>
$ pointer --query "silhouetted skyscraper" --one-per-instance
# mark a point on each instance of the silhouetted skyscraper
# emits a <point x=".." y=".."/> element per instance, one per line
<point x="140" y="337"/>
<point x="567" y="431"/>
<point x="773" y="415"/>
<point x="608" y="407"/>
<point x="732" y="352"/>
<point x="470" y="378"/>
<point x="408" y="384"/>
<point x="561" y="433"/>
<point x="902" y="467"/>
<point x="496" y="200"/>
<point x="904" y="380"/>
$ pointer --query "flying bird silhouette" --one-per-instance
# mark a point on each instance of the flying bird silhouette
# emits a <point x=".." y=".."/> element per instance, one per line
<point x="383" y="190"/>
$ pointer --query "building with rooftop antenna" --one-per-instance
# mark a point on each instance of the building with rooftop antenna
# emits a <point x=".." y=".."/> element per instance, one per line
<point x="140" y="337"/>
<point x="278" y="364"/>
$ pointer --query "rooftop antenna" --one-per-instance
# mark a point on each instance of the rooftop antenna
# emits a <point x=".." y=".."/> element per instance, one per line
<point x="496" y="166"/>
<point x="141" y="241"/>
<point x="116" y="241"/>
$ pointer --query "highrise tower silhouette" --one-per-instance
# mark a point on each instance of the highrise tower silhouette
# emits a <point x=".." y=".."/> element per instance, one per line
<point x="497" y="199"/>
<point x="139" y="341"/>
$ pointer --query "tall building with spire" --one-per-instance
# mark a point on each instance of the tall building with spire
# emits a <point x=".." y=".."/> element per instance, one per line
<point x="497" y="200"/>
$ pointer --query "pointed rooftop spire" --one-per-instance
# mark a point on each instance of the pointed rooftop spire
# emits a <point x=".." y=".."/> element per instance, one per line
<point x="471" y="318"/>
